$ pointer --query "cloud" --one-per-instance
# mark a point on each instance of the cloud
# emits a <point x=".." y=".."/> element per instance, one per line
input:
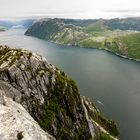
<point x="69" y="8"/>
<point x="124" y="11"/>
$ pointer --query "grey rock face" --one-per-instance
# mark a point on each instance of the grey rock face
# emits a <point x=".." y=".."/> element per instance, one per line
<point x="43" y="89"/>
<point x="47" y="94"/>
<point x="16" y="123"/>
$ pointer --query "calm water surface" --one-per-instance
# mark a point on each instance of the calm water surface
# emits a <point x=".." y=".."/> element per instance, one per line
<point x="113" y="83"/>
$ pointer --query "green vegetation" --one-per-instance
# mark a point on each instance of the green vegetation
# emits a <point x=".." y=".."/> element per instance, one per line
<point x="80" y="132"/>
<point x="96" y="27"/>
<point x="128" y="45"/>
<point x="90" y="43"/>
<point x="111" y="45"/>
<point x="101" y="33"/>
<point x="62" y="99"/>
<point x="4" y="50"/>
<point x="131" y="43"/>
<point x="54" y="109"/>
<point x="109" y="125"/>
<point x="50" y="111"/>
<point x="62" y="113"/>
<point x="53" y="27"/>
<point x="9" y="56"/>
<point x="103" y="136"/>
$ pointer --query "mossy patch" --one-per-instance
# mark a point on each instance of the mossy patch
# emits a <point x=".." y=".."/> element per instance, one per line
<point x="103" y="136"/>
<point x="109" y="125"/>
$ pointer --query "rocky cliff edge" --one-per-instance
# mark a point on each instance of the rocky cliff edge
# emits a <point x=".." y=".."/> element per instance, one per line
<point x="44" y="103"/>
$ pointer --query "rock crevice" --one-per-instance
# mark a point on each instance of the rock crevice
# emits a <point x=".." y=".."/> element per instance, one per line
<point x="48" y="95"/>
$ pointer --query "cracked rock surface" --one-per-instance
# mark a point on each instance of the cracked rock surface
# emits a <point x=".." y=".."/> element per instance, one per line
<point x="38" y="99"/>
<point x="16" y="123"/>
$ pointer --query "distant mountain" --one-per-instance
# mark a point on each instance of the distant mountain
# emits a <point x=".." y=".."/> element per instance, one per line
<point x="18" y="27"/>
<point x="111" y="35"/>
<point x="2" y="28"/>
<point x="124" y="24"/>
<point x="26" y="22"/>
<point x="117" y="23"/>
<point x="10" y="23"/>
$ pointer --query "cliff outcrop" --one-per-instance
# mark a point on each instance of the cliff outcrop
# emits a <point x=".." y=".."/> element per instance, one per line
<point x="34" y="86"/>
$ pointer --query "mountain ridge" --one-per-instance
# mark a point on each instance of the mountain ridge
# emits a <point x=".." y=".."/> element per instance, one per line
<point x="112" y="35"/>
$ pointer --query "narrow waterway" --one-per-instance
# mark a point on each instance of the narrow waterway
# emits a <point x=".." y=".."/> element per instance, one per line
<point x="113" y="83"/>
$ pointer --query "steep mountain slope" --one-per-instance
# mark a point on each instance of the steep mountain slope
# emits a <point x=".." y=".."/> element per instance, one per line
<point x="101" y="34"/>
<point x="15" y="121"/>
<point x="46" y="29"/>
<point x="128" y="45"/>
<point x="51" y="98"/>
<point x="112" y="24"/>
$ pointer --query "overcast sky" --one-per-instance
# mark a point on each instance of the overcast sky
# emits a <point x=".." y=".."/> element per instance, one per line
<point x="70" y="8"/>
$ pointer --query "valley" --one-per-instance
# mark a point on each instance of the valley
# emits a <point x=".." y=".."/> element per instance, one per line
<point x="111" y="82"/>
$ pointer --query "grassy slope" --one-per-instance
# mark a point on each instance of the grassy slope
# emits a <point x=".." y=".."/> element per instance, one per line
<point x="133" y="44"/>
<point x="95" y="34"/>
<point x="82" y="36"/>
<point x="128" y="45"/>
<point x="96" y="27"/>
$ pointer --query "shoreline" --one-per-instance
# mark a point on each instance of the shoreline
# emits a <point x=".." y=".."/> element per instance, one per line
<point x="104" y="49"/>
<point x="122" y="56"/>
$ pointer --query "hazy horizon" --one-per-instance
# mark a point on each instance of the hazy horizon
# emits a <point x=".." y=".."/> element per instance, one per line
<point x="59" y="17"/>
<point x="79" y="9"/>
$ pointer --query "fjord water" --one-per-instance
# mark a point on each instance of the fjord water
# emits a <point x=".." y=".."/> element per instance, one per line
<point x="113" y="83"/>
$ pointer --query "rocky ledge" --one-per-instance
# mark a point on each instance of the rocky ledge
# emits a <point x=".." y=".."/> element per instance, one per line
<point x="15" y="121"/>
<point x="39" y="101"/>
